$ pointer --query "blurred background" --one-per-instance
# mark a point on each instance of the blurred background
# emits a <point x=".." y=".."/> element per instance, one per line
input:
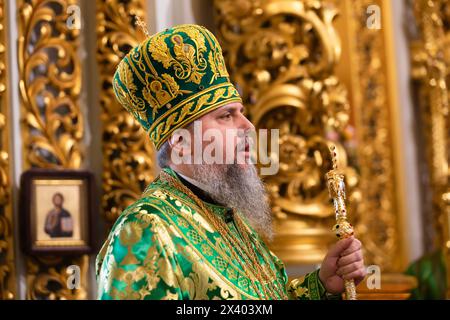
<point x="371" y="76"/>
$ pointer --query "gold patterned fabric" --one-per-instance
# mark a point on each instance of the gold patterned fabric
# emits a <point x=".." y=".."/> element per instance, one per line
<point x="162" y="247"/>
<point x="173" y="78"/>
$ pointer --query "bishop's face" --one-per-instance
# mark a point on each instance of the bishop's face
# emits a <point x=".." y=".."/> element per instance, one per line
<point x="224" y="135"/>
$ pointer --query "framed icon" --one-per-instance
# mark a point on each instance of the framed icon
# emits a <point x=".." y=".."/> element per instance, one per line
<point x="56" y="209"/>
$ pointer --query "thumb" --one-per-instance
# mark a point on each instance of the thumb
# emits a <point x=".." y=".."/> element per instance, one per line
<point x="339" y="247"/>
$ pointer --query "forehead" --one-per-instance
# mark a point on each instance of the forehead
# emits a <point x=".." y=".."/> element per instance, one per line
<point x="233" y="106"/>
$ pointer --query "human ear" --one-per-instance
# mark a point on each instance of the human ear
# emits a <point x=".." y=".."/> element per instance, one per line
<point x="180" y="142"/>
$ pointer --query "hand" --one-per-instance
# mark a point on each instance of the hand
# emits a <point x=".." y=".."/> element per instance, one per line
<point x="343" y="261"/>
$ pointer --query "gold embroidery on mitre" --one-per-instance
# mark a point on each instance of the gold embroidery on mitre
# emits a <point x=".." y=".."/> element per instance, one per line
<point x="162" y="96"/>
<point x="217" y="64"/>
<point x="156" y="88"/>
<point x="188" y="61"/>
<point x="133" y="104"/>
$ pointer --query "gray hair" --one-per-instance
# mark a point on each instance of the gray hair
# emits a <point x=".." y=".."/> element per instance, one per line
<point x="240" y="188"/>
<point x="163" y="155"/>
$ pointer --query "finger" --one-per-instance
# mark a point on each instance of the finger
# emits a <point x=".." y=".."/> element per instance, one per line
<point x="356" y="275"/>
<point x="354" y="246"/>
<point x="349" y="268"/>
<point x="350" y="258"/>
<point x="336" y="250"/>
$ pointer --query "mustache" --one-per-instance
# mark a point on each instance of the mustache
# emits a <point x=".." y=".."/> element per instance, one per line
<point x="245" y="144"/>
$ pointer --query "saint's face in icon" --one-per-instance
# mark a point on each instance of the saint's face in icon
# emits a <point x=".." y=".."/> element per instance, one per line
<point x="59" y="222"/>
<point x="58" y="200"/>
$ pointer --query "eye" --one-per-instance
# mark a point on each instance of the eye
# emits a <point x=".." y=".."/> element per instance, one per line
<point x="226" y="116"/>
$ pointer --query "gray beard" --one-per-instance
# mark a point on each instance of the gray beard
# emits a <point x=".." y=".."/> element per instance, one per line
<point x="242" y="189"/>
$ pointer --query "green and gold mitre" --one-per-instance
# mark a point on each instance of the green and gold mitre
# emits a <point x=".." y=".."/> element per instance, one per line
<point x="173" y="78"/>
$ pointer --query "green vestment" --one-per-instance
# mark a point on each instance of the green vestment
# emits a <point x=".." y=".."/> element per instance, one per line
<point x="162" y="247"/>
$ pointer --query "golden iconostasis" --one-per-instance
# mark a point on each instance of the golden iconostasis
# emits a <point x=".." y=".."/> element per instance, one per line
<point x="368" y="76"/>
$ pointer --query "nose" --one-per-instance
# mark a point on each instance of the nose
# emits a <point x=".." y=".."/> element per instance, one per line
<point x="246" y="124"/>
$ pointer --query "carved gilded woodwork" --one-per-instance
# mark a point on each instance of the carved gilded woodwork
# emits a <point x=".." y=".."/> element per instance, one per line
<point x="128" y="155"/>
<point x="7" y="266"/>
<point x="50" y="83"/>
<point x="287" y="59"/>
<point x="47" y="278"/>
<point x="52" y="123"/>
<point x="282" y="56"/>
<point x="430" y="59"/>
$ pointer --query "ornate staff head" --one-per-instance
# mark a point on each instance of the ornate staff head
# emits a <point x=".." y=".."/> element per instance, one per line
<point x="342" y="229"/>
